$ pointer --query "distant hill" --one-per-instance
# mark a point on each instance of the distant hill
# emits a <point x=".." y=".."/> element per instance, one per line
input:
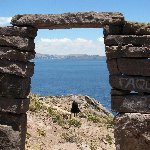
<point x="71" y="56"/>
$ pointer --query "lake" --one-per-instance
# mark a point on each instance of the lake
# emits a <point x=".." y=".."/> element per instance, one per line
<point x="66" y="76"/>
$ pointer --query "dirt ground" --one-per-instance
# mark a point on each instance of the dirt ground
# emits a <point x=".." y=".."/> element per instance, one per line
<point x="52" y="127"/>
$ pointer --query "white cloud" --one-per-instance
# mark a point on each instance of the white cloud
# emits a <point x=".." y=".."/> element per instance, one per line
<point x="101" y="39"/>
<point x="64" y="40"/>
<point x="5" y="20"/>
<point x="66" y="46"/>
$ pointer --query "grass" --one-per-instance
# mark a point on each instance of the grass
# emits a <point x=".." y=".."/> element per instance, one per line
<point x="94" y="118"/>
<point x="108" y="121"/>
<point x="109" y="139"/>
<point x="56" y="117"/>
<point x="28" y="135"/>
<point x="75" y="123"/>
<point x="93" y="145"/>
<point x="35" y="105"/>
<point x="41" y="132"/>
<point x="71" y="137"/>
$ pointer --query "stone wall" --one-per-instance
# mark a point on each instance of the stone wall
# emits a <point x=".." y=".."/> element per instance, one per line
<point x="127" y="51"/>
<point x="16" y="49"/>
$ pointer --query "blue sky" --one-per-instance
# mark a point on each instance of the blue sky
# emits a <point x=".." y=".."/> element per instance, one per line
<point x="88" y="41"/>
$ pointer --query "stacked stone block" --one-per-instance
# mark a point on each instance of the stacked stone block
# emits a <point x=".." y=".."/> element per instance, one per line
<point x="16" y="49"/>
<point x="128" y="53"/>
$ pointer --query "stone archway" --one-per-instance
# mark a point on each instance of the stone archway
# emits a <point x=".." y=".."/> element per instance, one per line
<point x="127" y="51"/>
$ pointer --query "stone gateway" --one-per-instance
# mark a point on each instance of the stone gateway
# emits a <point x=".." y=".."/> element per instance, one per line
<point x="127" y="46"/>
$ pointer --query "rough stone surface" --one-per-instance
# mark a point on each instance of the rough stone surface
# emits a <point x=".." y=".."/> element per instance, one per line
<point x="136" y="28"/>
<point x="15" y="54"/>
<point x="14" y="105"/>
<point x="115" y="92"/>
<point x="134" y="66"/>
<point x="113" y="30"/>
<point x="121" y="40"/>
<point x="12" y="131"/>
<point x="24" y="69"/>
<point x="128" y="66"/>
<point x="128" y="28"/>
<point x="130" y="83"/>
<point x="18" y="31"/>
<point x="127" y="49"/>
<point x="69" y="20"/>
<point x="132" y="131"/>
<point x="127" y="52"/>
<point x="24" y="44"/>
<point x="131" y="103"/>
<point x="12" y="86"/>
<point x="112" y="66"/>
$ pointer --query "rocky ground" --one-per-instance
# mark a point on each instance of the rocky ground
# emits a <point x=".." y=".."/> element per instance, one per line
<point x="52" y="127"/>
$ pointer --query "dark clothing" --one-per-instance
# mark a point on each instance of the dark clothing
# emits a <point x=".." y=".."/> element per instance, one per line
<point x="75" y="108"/>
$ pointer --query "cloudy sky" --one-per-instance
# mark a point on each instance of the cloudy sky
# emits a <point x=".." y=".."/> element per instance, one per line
<point x="66" y="45"/>
<point x="73" y="41"/>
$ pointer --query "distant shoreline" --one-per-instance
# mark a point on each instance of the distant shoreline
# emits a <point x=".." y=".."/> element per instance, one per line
<point x="71" y="56"/>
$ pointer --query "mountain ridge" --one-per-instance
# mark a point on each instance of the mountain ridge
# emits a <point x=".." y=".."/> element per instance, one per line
<point x="70" y="56"/>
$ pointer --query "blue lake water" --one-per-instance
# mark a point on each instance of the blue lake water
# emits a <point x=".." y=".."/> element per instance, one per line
<point x="63" y="77"/>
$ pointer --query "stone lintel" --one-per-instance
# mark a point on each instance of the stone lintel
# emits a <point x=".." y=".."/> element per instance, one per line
<point x="69" y="20"/>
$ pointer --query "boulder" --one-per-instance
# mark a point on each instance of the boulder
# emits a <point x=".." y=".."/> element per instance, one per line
<point x="12" y="131"/>
<point x="132" y="131"/>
